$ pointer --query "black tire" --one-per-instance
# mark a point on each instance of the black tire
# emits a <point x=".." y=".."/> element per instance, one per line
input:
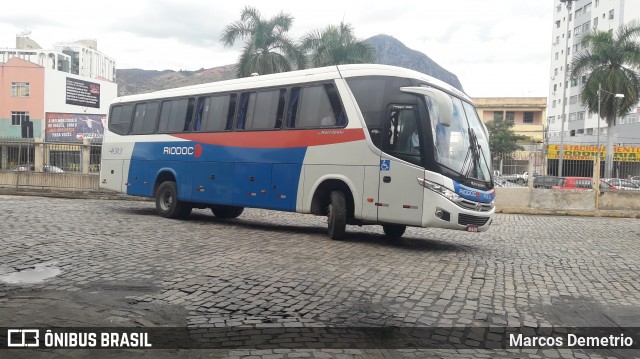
<point x="167" y="203"/>
<point x="520" y="181"/>
<point x="337" y="215"/>
<point x="226" y="211"/>
<point x="394" y="230"/>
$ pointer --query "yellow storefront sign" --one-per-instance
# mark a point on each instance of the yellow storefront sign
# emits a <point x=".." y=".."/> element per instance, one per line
<point x="586" y="152"/>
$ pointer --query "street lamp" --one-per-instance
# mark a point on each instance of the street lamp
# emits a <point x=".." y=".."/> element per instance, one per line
<point x="616" y="95"/>
<point x="568" y="3"/>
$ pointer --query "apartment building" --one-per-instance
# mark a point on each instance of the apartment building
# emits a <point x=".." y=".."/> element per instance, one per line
<point x="582" y="127"/>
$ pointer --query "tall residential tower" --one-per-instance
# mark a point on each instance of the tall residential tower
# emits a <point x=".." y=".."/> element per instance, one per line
<point x="581" y="126"/>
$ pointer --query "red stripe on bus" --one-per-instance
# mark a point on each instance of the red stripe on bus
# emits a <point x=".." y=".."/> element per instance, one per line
<point x="276" y="139"/>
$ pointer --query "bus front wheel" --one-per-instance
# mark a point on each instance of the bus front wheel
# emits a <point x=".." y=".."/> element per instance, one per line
<point x="393" y="230"/>
<point x="337" y="215"/>
<point x="167" y="203"/>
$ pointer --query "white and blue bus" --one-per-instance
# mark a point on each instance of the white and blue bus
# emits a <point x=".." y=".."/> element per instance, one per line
<point x="360" y="144"/>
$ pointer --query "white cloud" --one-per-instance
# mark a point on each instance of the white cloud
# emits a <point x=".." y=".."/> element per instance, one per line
<point x="496" y="47"/>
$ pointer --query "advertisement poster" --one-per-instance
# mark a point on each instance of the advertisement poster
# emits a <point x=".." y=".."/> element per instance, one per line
<point x="69" y="127"/>
<point x="82" y="93"/>
<point x="586" y="152"/>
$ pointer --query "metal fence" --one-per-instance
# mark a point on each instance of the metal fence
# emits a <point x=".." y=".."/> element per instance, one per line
<point x="535" y="165"/>
<point x="55" y="157"/>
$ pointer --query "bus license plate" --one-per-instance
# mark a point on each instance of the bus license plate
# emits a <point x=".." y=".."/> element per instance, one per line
<point x="473" y="228"/>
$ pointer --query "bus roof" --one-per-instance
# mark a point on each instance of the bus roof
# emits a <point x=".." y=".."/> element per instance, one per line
<point x="299" y="76"/>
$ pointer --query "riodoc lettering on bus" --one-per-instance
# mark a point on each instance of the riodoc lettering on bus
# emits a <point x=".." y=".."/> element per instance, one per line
<point x="194" y="151"/>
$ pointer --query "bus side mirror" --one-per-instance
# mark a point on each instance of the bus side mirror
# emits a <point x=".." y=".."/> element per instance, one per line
<point x="442" y="99"/>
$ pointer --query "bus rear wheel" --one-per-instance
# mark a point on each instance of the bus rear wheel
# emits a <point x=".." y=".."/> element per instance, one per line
<point x="167" y="203"/>
<point x="226" y="211"/>
<point x="394" y="230"/>
<point x="337" y="215"/>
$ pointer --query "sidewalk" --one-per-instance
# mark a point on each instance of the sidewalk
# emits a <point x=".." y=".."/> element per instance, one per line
<point x="109" y="195"/>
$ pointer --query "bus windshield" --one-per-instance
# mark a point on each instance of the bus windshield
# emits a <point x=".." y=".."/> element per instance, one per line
<point x="463" y="146"/>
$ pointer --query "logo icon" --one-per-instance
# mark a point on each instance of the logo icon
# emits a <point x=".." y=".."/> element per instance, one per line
<point x="23" y="338"/>
<point x="385" y="165"/>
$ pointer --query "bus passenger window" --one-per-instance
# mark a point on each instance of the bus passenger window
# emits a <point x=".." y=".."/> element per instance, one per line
<point x="315" y="109"/>
<point x="173" y="115"/>
<point x="120" y="119"/>
<point x="215" y="113"/>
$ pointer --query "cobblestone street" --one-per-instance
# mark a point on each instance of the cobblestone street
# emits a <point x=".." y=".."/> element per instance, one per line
<point x="122" y="265"/>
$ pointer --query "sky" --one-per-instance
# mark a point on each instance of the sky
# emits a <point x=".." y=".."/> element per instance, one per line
<point x="497" y="48"/>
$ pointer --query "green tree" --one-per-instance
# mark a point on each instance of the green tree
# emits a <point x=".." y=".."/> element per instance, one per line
<point x="336" y="45"/>
<point x="502" y="139"/>
<point x="267" y="48"/>
<point x="611" y="61"/>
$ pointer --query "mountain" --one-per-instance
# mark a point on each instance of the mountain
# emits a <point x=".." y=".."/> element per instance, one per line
<point x="389" y="51"/>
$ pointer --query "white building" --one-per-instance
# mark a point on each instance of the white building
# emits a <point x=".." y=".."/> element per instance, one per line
<point x="78" y="57"/>
<point x="582" y="126"/>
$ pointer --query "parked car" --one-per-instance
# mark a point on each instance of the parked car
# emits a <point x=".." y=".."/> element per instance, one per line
<point x="580" y="183"/>
<point x="520" y="179"/>
<point x="635" y="180"/>
<point x="540" y="181"/>
<point x="27" y="168"/>
<point x="620" y="183"/>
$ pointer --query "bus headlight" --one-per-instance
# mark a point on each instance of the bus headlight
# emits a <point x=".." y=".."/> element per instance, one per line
<point x="439" y="189"/>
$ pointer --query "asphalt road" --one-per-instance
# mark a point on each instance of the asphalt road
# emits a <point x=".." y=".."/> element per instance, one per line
<point x="115" y="263"/>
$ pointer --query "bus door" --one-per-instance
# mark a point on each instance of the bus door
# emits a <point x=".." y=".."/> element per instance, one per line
<point x="400" y="196"/>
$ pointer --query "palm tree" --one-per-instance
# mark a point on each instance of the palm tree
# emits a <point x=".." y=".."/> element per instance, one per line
<point x="611" y="61"/>
<point x="337" y="45"/>
<point x="267" y="48"/>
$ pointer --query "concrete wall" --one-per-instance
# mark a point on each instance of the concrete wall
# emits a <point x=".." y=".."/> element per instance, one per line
<point x="508" y="198"/>
<point x="70" y="181"/>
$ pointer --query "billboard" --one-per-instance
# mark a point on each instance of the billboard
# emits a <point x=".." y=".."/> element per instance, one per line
<point x="588" y="152"/>
<point x="70" y="127"/>
<point x="82" y="93"/>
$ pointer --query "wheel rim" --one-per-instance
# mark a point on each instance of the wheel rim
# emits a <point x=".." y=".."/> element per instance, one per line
<point x="166" y="201"/>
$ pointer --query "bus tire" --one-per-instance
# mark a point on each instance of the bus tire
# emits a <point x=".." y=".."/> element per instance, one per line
<point x="394" y="230"/>
<point x="167" y="203"/>
<point x="226" y="211"/>
<point x="337" y="215"/>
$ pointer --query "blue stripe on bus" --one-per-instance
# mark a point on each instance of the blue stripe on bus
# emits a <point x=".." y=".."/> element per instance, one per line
<point x="473" y="194"/>
<point x="251" y="177"/>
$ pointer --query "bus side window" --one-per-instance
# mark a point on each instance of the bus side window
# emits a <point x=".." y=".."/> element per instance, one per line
<point x="202" y="109"/>
<point x="266" y="112"/>
<point x="144" y="121"/>
<point x="215" y="113"/>
<point x="292" y="111"/>
<point x="402" y="132"/>
<point x="336" y="105"/>
<point x="175" y="115"/>
<point x="247" y="101"/>
<point x="315" y="108"/>
<point x="120" y="119"/>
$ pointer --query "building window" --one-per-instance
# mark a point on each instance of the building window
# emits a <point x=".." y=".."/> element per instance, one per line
<point x="580" y="116"/>
<point x="498" y="115"/>
<point x="20" y="89"/>
<point x="574" y="83"/>
<point x="573" y="100"/>
<point x="510" y="117"/>
<point x="595" y="23"/>
<point x="587" y="8"/>
<point x="557" y="55"/>
<point x="18" y="117"/>
<point x="611" y="14"/>
<point x="527" y="117"/>
<point x="553" y="104"/>
<point x="558" y="24"/>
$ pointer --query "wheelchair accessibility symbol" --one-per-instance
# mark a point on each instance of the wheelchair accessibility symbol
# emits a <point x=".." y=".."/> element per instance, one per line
<point x="385" y="165"/>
